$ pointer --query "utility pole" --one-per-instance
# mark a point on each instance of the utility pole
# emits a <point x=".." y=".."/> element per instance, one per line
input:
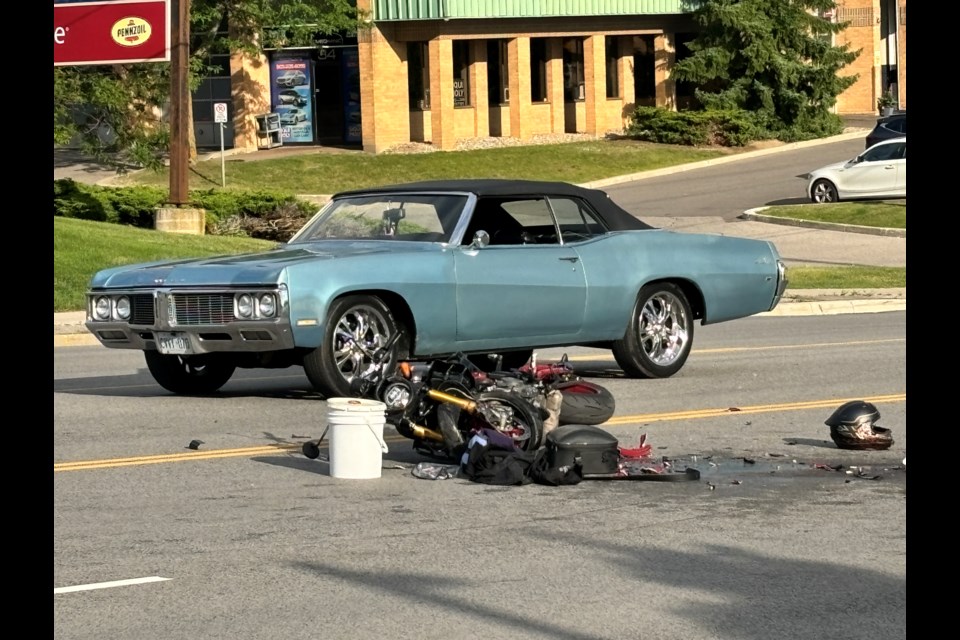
<point x="179" y="105"/>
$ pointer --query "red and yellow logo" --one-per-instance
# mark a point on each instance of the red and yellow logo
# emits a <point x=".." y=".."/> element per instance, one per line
<point x="131" y="32"/>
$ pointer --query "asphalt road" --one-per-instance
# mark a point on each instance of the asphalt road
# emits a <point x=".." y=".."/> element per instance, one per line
<point x="253" y="540"/>
<point x="727" y="190"/>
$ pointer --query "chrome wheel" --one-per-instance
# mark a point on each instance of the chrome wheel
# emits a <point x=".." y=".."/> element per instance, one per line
<point x="659" y="334"/>
<point x="357" y="328"/>
<point x="360" y="332"/>
<point x="663" y="329"/>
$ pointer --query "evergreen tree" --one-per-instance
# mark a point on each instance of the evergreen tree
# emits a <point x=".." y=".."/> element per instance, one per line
<point x="773" y="58"/>
<point x="114" y="111"/>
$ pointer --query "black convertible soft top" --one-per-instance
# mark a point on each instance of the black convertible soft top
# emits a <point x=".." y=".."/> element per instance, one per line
<point x="616" y="218"/>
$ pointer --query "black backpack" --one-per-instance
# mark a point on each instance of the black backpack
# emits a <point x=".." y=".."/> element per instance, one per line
<point x="496" y="463"/>
<point x="542" y="473"/>
<point x="493" y="464"/>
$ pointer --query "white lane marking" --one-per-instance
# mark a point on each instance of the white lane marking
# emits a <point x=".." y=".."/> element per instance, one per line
<point x="109" y="585"/>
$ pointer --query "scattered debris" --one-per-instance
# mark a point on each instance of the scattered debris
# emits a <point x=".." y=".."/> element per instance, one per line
<point x="711" y="486"/>
<point x="434" y="471"/>
<point x="734" y="409"/>
<point x="195" y="444"/>
<point x="642" y="450"/>
<point x="827" y="467"/>
<point x="749" y="461"/>
<point x="736" y="482"/>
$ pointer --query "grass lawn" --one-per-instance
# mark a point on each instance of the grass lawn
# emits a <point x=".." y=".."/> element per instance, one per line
<point x="326" y="173"/>
<point x="890" y="214"/>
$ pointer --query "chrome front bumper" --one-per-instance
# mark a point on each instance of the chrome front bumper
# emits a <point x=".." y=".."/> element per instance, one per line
<point x="198" y="321"/>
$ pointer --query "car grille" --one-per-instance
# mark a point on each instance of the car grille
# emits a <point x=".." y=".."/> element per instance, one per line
<point x="190" y="309"/>
<point x="141" y="309"/>
<point x="203" y="308"/>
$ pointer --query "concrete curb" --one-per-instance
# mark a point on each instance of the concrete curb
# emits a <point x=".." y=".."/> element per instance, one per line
<point x="835" y="307"/>
<point x="757" y="216"/>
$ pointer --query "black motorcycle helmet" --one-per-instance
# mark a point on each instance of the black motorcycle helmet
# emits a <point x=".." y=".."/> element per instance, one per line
<point x="853" y="426"/>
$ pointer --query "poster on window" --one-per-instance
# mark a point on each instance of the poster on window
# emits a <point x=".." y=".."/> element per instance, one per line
<point x="291" y="81"/>
<point x="350" y="73"/>
<point x="459" y="92"/>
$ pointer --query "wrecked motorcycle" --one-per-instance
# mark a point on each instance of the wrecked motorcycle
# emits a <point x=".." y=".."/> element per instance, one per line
<point x="582" y="402"/>
<point x="438" y="405"/>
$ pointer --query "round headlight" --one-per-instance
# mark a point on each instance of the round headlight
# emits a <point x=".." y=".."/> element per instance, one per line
<point x="101" y="308"/>
<point x="268" y="305"/>
<point x="123" y="308"/>
<point x="245" y="305"/>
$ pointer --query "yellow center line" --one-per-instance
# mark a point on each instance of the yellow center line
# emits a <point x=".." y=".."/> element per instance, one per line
<point x="87" y="465"/>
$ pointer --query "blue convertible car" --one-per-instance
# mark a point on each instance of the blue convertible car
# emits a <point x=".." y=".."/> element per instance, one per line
<point x="477" y="266"/>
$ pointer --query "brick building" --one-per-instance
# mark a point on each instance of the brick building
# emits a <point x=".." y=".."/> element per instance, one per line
<point x="440" y="70"/>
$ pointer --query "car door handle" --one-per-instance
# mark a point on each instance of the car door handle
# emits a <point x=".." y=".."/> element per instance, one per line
<point x="570" y="259"/>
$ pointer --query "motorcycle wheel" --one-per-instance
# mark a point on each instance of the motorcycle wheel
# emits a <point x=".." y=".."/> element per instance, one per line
<point x="525" y="421"/>
<point x="585" y="403"/>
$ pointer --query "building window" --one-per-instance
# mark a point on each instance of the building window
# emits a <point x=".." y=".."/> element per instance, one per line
<point x="418" y="75"/>
<point x="214" y="87"/>
<point x="498" y="76"/>
<point x="461" y="73"/>
<point x="613" y="70"/>
<point x="644" y="71"/>
<point x="538" y="70"/>
<point x="573" y="89"/>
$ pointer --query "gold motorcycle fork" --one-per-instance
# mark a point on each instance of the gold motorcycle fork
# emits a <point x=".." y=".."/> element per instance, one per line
<point x="467" y="405"/>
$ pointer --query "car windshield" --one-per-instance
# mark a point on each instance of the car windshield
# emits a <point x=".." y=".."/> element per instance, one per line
<point x="403" y="216"/>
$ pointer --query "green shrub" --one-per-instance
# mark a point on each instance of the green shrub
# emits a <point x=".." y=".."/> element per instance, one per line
<point x="729" y="128"/>
<point x="726" y="127"/>
<point x="264" y="214"/>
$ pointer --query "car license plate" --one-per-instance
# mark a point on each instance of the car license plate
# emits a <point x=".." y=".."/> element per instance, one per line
<point x="173" y="343"/>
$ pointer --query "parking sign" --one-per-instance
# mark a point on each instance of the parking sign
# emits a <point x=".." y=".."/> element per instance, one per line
<point x="219" y="111"/>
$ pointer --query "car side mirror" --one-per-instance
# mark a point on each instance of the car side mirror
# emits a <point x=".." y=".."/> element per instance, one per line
<point x="480" y="239"/>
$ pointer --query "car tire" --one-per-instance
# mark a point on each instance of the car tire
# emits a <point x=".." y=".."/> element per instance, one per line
<point x="189" y="375"/>
<point x="659" y="334"/>
<point x="355" y="327"/>
<point x="824" y="191"/>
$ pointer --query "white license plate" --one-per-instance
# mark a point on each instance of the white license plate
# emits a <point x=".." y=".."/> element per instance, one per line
<point x="173" y="343"/>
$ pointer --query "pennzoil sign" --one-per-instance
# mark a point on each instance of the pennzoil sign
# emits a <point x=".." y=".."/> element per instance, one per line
<point x="131" y="32"/>
<point x="110" y="31"/>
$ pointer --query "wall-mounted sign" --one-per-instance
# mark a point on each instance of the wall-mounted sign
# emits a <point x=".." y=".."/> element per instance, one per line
<point x="110" y="32"/>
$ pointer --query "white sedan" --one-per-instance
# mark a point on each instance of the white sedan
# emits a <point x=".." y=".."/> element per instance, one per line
<point x="878" y="172"/>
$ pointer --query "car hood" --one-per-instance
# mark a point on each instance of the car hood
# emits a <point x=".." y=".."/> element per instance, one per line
<point x="263" y="268"/>
<point x="830" y="168"/>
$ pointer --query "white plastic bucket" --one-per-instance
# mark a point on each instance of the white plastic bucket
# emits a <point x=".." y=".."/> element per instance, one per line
<point x="356" y="437"/>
